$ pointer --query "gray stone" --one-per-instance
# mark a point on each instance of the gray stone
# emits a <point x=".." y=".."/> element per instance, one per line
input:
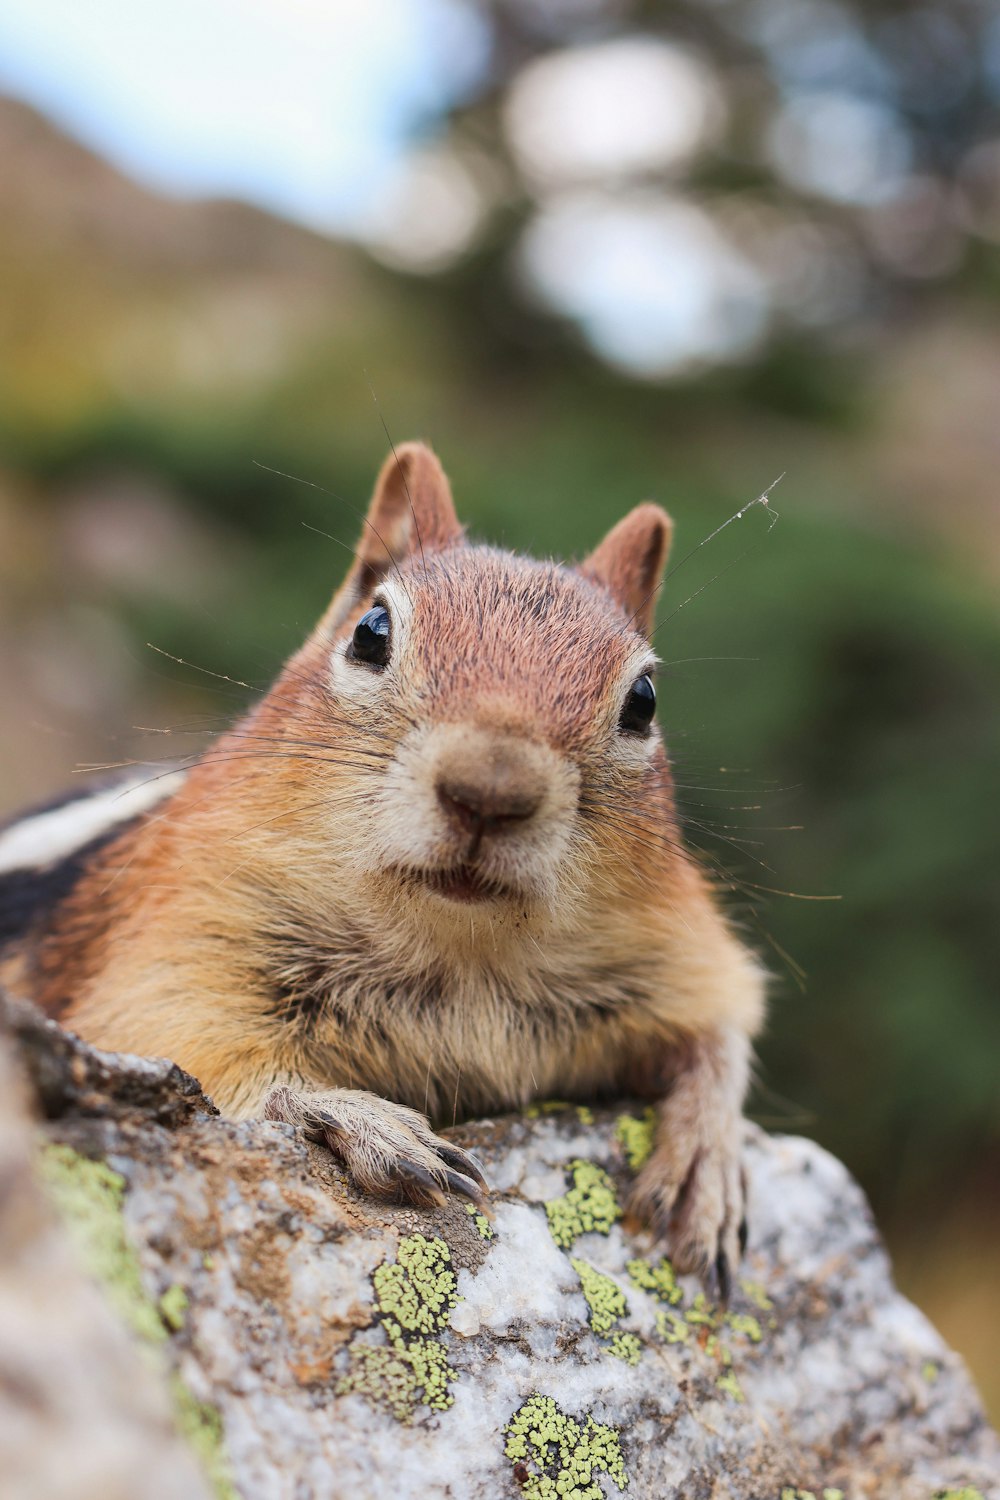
<point x="351" y="1348"/>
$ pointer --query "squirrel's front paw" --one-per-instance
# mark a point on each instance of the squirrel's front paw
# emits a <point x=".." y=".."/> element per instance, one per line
<point x="691" y="1192"/>
<point x="389" y="1150"/>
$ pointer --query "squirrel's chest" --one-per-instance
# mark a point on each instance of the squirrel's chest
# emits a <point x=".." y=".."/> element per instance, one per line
<point x="453" y="1044"/>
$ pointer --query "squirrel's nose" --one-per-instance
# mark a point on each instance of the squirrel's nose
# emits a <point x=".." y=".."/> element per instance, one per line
<point x="477" y="806"/>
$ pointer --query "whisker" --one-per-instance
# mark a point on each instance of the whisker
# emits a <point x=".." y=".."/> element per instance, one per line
<point x="207" y="670"/>
<point x="761" y="499"/>
<point x="297" y="479"/>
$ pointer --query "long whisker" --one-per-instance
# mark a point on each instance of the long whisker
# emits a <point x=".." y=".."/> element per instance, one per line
<point x="761" y="499"/>
<point x="236" y="681"/>
<point x="311" y="483"/>
<point x="237" y="733"/>
<point x="771" y="890"/>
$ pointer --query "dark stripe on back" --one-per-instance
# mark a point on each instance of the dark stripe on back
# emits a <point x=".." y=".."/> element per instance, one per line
<point x="29" y="895"/>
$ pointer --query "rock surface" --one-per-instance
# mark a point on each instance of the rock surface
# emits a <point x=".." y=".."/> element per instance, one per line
<point x="313" y="1343"/>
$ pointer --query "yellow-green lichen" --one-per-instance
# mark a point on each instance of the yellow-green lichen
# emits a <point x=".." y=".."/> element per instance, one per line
<point x="700" y="1324"/>
<point x="400" y="1376"/>
<point x="606" y="1304"/>
<point x="635" y="1135"/>
<point x="604" y="1297"/>
<point x="746" y="1324"/>
<point x="173" y="1306"/>
<point x="556" y="1457"/>
<point x="414" y="1295"/>
<point x="89" y="1198"/>
<point x="672" y="1327"/>
<point x="589" y="1206"/>
<point x="701" y="1313"/>
<point x="627" y="1347"/>
<point x="969" y="1492"/>
<point x="660" y="1280"/>
<point x="418" y="1290"/>
<point x="201" y="1425"/>
<point x="481" y="1222"/>
<point x="543" y="1107"/>
<point x="757" y="1295"/>
<point x="792" y="1494"/>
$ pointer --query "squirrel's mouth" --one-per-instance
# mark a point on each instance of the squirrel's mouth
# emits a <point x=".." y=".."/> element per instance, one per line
<point x="460" y="883"/>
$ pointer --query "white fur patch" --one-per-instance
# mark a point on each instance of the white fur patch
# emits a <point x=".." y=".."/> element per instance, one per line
<point x="354" y="683"/>
<point x="51" y="836"/>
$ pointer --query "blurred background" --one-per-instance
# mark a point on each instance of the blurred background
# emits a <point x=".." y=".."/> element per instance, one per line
<point x="596" y="252"/>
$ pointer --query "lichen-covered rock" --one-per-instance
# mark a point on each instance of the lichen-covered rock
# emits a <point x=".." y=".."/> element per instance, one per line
<point x="86" y="1412"/>
<point x="309" y="1342"/>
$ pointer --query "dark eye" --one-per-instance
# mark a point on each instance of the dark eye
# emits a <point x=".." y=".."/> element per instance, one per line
<point x="640" y="706"/>
<point x="370" y="641"/>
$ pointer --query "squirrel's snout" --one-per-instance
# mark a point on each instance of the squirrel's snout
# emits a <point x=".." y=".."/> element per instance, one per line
<point x="475" y="806"/>
<point x="503" y="785"/>
<point x="487" y="810"/>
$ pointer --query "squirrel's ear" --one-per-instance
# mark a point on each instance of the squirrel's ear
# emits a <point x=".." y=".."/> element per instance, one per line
<point x="411" y="512"/>
<point x="630" y="561"/>
<point x="411" y="508"/>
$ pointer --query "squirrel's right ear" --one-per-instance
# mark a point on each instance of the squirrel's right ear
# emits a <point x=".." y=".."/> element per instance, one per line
<point x="411" y="512"/>
<point x="630" y="562"/>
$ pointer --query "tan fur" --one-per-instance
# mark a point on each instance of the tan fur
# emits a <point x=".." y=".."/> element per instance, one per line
<point x="274" y="926"/>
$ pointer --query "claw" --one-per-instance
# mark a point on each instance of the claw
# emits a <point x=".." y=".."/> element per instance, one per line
<point x="723" y="1278"/>
<point x="326" y="1130"/>
<point x="464" y="1162"/>
<point x="743" y="1232"/>
<point x="411" y="1175"/>
<point x="459" y="1183"/>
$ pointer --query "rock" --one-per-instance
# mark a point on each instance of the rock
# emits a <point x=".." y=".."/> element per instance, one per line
<point x="83" y="1413"/>
<point x="314" y="1343"/>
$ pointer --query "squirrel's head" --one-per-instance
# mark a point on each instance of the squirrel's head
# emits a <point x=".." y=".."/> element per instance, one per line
<point x="493" y="715"/>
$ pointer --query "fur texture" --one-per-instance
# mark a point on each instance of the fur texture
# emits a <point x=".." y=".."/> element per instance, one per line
<point x="447" y="884"/>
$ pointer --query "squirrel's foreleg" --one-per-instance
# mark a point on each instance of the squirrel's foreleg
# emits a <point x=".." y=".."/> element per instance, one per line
<point x="691" y="1189"/>
<point x="388" y="1149"/>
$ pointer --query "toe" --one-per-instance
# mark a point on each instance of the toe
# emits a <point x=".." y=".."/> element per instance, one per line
<point x="652" y="1200"/>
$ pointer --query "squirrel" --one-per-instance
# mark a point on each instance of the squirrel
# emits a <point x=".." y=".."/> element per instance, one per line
<point x="435" y="872"/>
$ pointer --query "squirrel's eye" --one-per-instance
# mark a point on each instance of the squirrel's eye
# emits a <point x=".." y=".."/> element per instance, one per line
<point x="370" y="641"/>
<point x="640" y="706"/>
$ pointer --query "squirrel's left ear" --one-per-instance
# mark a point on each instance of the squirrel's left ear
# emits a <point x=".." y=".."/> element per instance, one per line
<point x="412" y="507"/>
<point x="630" y="561"/>
<point x="411" y="512"/>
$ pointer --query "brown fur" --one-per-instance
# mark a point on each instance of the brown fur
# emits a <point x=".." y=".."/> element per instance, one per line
<point x="272" y="929"/>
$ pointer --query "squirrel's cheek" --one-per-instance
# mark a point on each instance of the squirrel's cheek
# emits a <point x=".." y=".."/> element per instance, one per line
<point x="352" y="684"/>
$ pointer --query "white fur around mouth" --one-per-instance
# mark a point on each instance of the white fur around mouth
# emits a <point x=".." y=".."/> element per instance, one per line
<point x="460" y="883"/>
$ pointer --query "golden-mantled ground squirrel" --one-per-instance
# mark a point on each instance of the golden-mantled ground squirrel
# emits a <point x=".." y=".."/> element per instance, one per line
<point x="436" y="870"/>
